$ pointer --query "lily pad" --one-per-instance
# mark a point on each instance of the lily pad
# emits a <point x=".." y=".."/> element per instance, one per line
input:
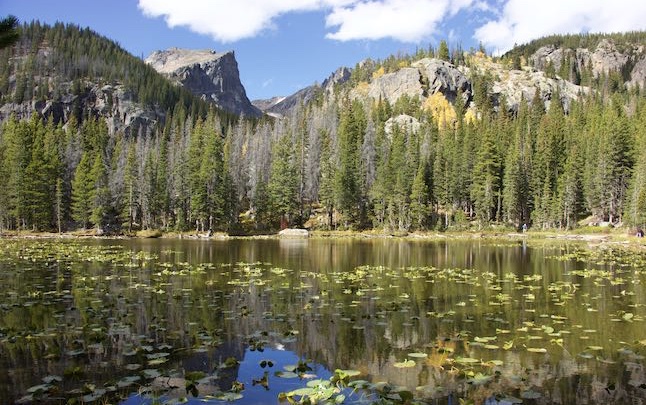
<point x="405" y="364"/>
<point x="286" y="374"/>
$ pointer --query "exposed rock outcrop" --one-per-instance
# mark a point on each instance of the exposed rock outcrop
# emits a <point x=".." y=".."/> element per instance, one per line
<point x="391" y="86"/>
<point x="605" y="58"/>
<point x="514" y="85"/>
<point x="443" y="77"/>
<point x="638" y="74"/>
<point x="208" y="74"/>
<point x="422" y="79"/>
<point x="114" y="103"/>
<point x="405" y="122"/>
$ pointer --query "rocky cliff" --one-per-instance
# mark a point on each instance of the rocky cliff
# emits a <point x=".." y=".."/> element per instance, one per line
<point x="428" y="76"/>
<point x="605" y="57"/>
<point x="210" y="75"/>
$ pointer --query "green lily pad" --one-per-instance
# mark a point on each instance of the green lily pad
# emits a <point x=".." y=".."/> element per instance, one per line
<point x="405" y="364"/>
<point x="228" y="396"/>
<point x="286" y="374"/>
<point x="467" y="360"/>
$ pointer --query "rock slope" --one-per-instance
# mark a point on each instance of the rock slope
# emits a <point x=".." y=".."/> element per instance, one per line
<point x="208" y="74"/>
<point x="605" y="58"/>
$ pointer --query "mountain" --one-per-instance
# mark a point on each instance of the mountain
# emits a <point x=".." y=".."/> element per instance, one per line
<point x="63" y="70"/>
<point x="209" y="75"/>
<point x="280" y="106"/>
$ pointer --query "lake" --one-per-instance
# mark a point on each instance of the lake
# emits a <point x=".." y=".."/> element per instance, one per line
<point x="343" y="321"/>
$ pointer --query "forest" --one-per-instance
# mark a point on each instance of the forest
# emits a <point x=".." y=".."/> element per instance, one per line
<point x="329" y="164"/>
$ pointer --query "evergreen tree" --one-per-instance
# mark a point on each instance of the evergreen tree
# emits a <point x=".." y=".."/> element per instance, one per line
<point x="327" y="177"/>
<point x="82" y="192"/>
<point x="486" y="181"/>
<point x="420" y="198"/>
<point x="284" y="182"/>
<point x="100" y="193"/>
<point x="348" y="192"/>
<point x="9" y="32"/>
<point x="443" y="51"/>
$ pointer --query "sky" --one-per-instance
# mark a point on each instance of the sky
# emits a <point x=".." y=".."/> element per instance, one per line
<point x="284" y="45"/>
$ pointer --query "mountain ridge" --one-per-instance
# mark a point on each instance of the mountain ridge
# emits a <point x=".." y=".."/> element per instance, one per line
<point x="210" y="75"/>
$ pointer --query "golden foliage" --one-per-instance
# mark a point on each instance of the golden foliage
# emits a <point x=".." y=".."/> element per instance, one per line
<point x="378" y="73"/>
<point x="442" y="111"/>
<point x="362" y="88"/>
<point x="470" y="116"/>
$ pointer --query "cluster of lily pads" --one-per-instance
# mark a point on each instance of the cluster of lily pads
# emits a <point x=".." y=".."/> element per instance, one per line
<point x="105" y="321"/>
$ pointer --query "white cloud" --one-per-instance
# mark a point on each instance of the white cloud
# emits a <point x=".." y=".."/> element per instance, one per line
<point x="225" y="20"/>
<point x="404" y="20"/>
<point x="228" y="21"/>
<point x="520" y="21"/>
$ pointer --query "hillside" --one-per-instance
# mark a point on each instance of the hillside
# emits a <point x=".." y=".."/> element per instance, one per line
<point x="586" y="57"/>
<point x="63" y="71"/>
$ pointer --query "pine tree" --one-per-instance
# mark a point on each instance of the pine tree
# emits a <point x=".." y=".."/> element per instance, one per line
<point x="348" y="192"/>
<point x="419" y="197"/>
<point x="130" y="198"/>
<point x="486" y="181"/>
<point x="327" y="177"/>
<point x="82" y="192"/>
<point x="9" y="32"/>
<point x="214" y="179"/>
<point x="443" y="51"/>
<point x="284" y="182"/>
<point x="100" y="193"/>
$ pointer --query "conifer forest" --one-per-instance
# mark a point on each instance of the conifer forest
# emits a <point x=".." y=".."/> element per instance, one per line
<point x="331" y="163"/>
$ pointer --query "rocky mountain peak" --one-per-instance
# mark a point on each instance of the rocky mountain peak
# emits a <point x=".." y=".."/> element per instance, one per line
<point x="172" y="59"/>
<point x="211" y="75"/>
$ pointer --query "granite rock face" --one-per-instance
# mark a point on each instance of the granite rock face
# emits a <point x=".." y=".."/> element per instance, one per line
<point x="208" y="74"/>
<point x="443" y="77"/>
<point x="114" y="103"/>
<point x="514" y="85"/>
<point x="423" y="78"/>
<point x="605" y="58"/>
<point x="392" y="86"/>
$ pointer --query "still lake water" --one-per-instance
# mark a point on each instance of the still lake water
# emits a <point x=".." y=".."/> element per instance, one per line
<point x="169" y="321"/>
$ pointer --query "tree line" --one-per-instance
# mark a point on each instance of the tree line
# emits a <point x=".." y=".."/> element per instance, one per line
<point x="333" y="162"/>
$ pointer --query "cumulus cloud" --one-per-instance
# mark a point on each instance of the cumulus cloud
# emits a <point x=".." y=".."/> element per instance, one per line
<point x="520" y="21"/>
<point x="224" y="20"/>
<point x="228" y="21"/>
<point x="404" y="20"/>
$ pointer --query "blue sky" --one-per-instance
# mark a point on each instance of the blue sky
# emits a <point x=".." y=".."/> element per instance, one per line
<point x="284" y="45"/>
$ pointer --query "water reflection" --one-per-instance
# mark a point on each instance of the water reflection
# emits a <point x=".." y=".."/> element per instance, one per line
<point x="496" y="321"/>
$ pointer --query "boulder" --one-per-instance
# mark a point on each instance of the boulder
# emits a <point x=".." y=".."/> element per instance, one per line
<point x="294" y="233"/>
<point x="443" y="77"/>
<point x="405" y="122"/>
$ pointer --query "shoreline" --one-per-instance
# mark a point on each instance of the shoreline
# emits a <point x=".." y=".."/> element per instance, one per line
<point x="608" y="237"/>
